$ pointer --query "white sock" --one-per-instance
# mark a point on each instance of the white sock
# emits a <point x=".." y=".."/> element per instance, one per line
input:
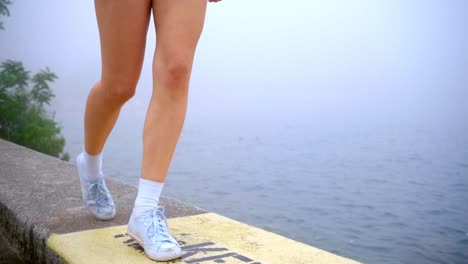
<point x="93" y="165"/>
<point x="148" y="195"/>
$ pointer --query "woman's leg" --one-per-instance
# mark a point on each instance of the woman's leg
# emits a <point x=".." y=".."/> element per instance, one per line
<point x="123" y="25"/>
<point x="178" y="24"/>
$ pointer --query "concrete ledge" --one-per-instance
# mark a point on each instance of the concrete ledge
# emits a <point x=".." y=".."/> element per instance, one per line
<point x="204" y="238"/>
<point x="40" y="195"/>
<point x="41" y="211"/>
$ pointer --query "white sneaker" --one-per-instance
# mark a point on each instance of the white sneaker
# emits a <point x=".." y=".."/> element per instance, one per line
<point x="150" y="229"/>
<point x="95" y="194"/>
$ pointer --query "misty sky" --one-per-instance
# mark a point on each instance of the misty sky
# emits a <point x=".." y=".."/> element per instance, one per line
<point x="371" y="59"/>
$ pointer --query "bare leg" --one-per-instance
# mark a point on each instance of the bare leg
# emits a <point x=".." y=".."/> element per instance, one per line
<point x="178" y="24"/>
<point x="123" y="25"/>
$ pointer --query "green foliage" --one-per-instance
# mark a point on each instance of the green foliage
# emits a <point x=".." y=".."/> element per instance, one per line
<point x="23" y="118"/>
<point x="4" y="10"/>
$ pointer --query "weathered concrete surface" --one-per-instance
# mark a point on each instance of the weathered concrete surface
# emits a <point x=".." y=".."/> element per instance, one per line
<point x="8" y="252"/>
<point x="40" y="195"/>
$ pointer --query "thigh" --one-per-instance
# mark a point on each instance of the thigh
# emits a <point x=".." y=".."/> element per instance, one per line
<point x="123" y="25"/>
<point x="178" y="25"/>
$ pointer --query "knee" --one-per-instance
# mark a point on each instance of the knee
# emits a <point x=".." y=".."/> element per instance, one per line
<point x="175" y="70"/>
<point x="178" y="70"/>
<point x="119" y="90"/>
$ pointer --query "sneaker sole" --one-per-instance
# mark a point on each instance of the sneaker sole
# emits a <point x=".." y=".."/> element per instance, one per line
<point x="83" y="198"/>
<point x="165" y="256"/>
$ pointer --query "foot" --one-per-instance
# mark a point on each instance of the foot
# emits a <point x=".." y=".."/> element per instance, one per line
<point x="150" y="229"/>
<point x="95" y="194"/>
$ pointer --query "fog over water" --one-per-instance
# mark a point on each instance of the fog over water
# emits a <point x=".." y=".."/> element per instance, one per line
<point x="341" y="124"/>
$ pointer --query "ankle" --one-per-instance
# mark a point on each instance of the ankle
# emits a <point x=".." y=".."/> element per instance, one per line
<point x="148" y="195"/>
<point x="92" y="164"/>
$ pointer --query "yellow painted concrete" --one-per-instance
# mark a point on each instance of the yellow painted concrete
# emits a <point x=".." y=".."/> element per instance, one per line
<point x="205" y="238"/>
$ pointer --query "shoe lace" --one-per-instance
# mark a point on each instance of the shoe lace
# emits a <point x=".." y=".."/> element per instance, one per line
<point x="157" y="225"/>
<point x="98" y="192"/>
